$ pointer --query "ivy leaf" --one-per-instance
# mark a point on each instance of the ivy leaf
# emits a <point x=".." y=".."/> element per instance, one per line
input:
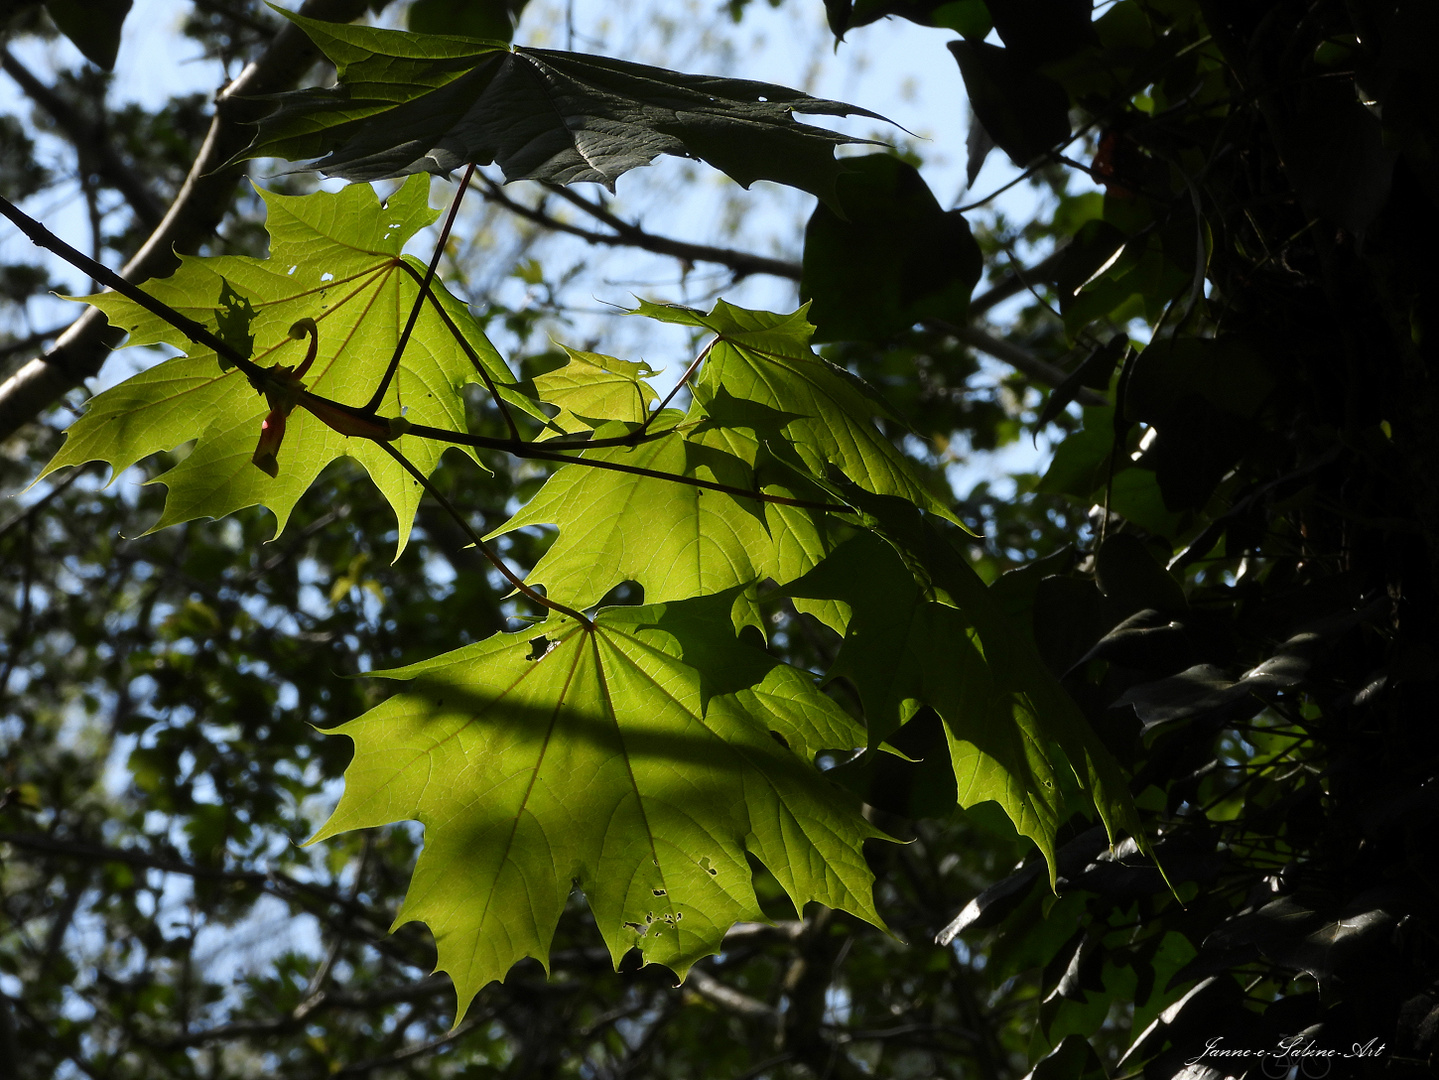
<point x="334" y="259"/>
<point x="592" y="389"/>
<point x="761" y="373"/>
<point x="674" y="540"/>
<point x="600" y="757"/>
<point x="411" y="103"/>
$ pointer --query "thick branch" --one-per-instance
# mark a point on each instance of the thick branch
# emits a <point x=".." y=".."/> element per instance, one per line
<point x="192" y="218"/>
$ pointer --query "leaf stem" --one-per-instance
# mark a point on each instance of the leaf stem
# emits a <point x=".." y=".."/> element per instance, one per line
<point x="689" y="371"/>
<point x="495" y="561"/>
<point x="468" y="350"/>
<point x="373" y="404"/>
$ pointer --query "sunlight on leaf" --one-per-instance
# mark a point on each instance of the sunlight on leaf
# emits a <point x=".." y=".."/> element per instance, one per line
<point x="334" y="259"/>
<point x="605" y="760"/>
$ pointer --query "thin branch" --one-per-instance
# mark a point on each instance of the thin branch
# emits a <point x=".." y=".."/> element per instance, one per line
<point x="409" y="1053"/>
<point x="40" y="236"/>
<point x="40" y="503"/>
<point x="275" y="882"/>
<point x="1014" y="281"/>
<point x="25" y="344"/>
<point x="1050" y="157"/>
<point x="431" y="986"/>
<point x="742" y="263"/>
<point x="1017" y="357"/>
<point x="730" y="999"/>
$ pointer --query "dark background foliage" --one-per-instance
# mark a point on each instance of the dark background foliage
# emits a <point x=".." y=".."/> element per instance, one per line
<point x="1230" y="562"/>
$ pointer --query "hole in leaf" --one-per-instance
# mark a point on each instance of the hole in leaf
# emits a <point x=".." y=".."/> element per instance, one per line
<point x="327" y="276"/>
<point x="538" y="647"/>
<point x="659" y="892"/>
<point x="631" y="961"/>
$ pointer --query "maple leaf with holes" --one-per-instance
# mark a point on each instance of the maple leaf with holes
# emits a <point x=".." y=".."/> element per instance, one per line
<point x="640" y="759"/>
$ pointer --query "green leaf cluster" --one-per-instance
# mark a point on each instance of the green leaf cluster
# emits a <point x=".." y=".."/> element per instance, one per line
<point x="650" y="757"/>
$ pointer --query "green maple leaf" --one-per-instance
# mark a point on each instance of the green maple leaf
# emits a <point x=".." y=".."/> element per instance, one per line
<point x="761" y="373"/>
<point x="430" y="103"/>
<point x="902" y="651"/>
<point x="592" y="389"/>
<point x="334" y="259"/>
<point x="604" y="758"/>
<point x="674" y="540"/>
<point x="926" y="631"/>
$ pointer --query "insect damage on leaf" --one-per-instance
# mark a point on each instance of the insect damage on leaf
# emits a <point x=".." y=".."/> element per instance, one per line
<point x="612" y="753"/>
